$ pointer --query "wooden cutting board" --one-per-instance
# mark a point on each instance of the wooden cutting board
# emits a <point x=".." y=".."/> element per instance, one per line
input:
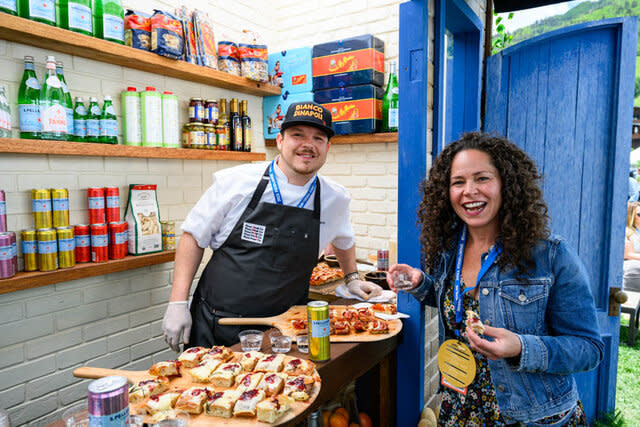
<point x="185" y="381"/>
<point x="283" y="323"/>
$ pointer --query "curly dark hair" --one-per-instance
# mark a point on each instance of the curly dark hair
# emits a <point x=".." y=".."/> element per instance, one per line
<point x="523" y="215"/>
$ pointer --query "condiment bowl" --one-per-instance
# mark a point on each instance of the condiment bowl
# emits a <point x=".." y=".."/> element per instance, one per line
<point x="377" y="277"/>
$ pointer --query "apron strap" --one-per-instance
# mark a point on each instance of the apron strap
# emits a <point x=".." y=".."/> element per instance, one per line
<point x="316" y="201"/>
<point x="257" y="194"/>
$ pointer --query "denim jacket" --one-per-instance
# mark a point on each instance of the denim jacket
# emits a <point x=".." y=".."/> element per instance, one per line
<point x="554" y="317"/>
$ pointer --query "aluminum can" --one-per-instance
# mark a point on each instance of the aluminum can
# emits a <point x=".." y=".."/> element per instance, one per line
<point x="383" y="260"/>
<point x="112" y="203"/>
<point x="14" y="249"/>
<point x="168" y="235"/>
<point x="29" y="250"/>
<point x="66" y="247"/>
<point x="318" y="321"/>
<point x="95" y="197"/>
<point x="108" y="402"/>
<point x="118" y="240"/>
<point x="99" y="243"/>
<point x="47" y="250"/>
<point x="83" y="243"/>
<point x="3" y="212"/>
<point x="60" y="206"/>
<point x="7" y="265"/>
<point x="41" y="208"/>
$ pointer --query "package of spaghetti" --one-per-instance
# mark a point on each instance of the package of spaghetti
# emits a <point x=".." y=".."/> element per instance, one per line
<point x="205" y="40"/>
<point x="166" y="35"/>
<point x="137" y="29"/>
<point x="188" y="33"/>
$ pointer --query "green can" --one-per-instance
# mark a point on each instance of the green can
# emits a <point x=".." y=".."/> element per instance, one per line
<point x="29" y="250"/>
<point x="66" y="247"/>
<point x="47" y="250"/>
<point x="41" y="208"/>
<point x="319" y="330"/>
<point x="60" y="207"/>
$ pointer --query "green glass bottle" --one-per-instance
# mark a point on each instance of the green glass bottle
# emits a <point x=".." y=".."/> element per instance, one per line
<point x="9" y="6"/>
<point x="75" y="15"/>
<point x="108" y="123"/>
<point x="39" y="10"/>
<point x="68" y="102"/>
<point x="108" y="20"/>
<point x="79" y="121"/>
<point x="390" y="103"/>
<point x="52" y="104"/>
<point x="29" y="102"/>
<point x="93" y="121"/>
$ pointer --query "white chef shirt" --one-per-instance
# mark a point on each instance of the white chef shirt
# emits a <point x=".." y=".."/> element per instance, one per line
<point x="215" y="215"/>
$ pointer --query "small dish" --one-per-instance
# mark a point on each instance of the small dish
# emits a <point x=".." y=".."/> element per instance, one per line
<point x="331" y="260"/>
<point x="377" y="277"/>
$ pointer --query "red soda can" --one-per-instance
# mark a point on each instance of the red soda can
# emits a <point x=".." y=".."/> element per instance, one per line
<point x="112" y="203"/>
<point x="99" y="243"/>
<point x="96" y="205"/>
<point x="83" y="243"/>
<point x="118" y="242"/>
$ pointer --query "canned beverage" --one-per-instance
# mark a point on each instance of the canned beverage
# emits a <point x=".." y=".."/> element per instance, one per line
<point x="66" y="247"/>
<point x="60" y="205"/>
<point x="3" y="212"/>
<point x="99" y="243"/>
<point x="47" y="250"/>
<point x="383" y="260"/>
<point x="112" y="202"/>
<point x="41" y="208"/>
<point x="118" y="240"/>
<point x="108" y="402"/>
<point x="83" y="243"/>
<point x="318" y="324"/>
<point x="168" y="235"/>
<point x="96" y="205"/>
<point x="7" y="264"/>
<point x="29" y="250"/>
<point x="14" y="249"/>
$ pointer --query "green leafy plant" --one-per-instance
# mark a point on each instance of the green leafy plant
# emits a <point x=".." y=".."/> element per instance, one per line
<point x="501" y="39"/>
<point x="612" y="419"/>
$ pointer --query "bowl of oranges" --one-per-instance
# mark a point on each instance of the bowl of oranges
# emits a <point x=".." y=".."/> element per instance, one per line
<point x="339" y="417"/>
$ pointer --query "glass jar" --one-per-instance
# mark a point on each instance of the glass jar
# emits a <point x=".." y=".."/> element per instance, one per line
<point x="196" y="110"/>
<point x="211" y="112"/>
<point x="196" y="135"/>
<point x="186" y="138"/>
<point x="210" y="136"/>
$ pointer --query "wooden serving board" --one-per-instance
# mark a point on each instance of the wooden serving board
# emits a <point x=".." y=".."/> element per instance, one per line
<point x="184" y="381"/>
<point x="283" y="323"/>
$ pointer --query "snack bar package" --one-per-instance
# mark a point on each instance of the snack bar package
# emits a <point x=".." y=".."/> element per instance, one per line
<point x="228" y="57"/>
<point x="166" y="35"/>
<point x="143" y="219"/>
<point x="137" y="30"/>
<point x="205" y="41"/>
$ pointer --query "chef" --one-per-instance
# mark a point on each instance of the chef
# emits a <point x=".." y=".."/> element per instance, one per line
<point x="266" y="225"/>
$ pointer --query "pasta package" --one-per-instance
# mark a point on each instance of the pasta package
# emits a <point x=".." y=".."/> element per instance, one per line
<point x="137" y="30"/>
<point x="205" y="40"/>
<point x="228" y="57"/>
<point x="166" y="35"/>
<point x="188" y="34"/>
<point x="143" y="219"/>
<point x="253" y="61"/>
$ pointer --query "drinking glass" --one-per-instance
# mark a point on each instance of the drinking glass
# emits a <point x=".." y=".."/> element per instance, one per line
<point x="251" y="339"/>
<point x="181" y="420"/>
<point x="76" y="416"/>
<point x="303" y="343"/>
<point x="401" y="281"/>
<point x="280" y="343"/>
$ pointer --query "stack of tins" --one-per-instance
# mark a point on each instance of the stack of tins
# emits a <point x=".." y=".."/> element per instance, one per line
<point x="8" y="255"/>
<point x="109" y="236"/>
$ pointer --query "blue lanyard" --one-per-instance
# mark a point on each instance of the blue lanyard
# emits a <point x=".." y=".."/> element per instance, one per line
<point x="276" y="188"/>
<point x="457" y="285"/>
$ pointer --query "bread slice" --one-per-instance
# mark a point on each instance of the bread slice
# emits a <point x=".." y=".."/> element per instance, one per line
<point x="144" y="389"/>
<point x="165" y="368"/>
<point x="473" y="321"/>
<point x="161" y="402"/>
<point x="298" y="367"/>
<point x="220" y="404"/>
<point x="299" y="387"/>
<point x="269" y="410"/>
<point x="219" y="352"/>
<point x="192" y="399"/>
<point x="270" y="363"/>
<point x="225" y="375"/>
<point x="191" y="357"/>
<point x="249" y="359"/>
<point x="248" y="381"/>
<point x="246" y="404"/>
<point x="204" y="369"/>
<point x="272" y="383"/>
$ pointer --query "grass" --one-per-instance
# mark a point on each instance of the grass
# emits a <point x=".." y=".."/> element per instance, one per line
<point x="628" y="387"/>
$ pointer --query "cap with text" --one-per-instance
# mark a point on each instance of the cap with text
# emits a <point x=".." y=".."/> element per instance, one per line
<point x="310" y="114"/>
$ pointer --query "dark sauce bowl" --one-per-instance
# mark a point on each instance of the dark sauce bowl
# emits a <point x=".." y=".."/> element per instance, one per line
<point x="377" y="277"/>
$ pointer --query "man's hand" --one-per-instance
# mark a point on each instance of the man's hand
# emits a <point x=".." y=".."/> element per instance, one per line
<point x="364" y="290"/>
<point x="176" y="323"/>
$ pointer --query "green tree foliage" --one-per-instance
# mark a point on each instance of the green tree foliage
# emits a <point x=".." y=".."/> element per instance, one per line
<point x="502" y="38"/>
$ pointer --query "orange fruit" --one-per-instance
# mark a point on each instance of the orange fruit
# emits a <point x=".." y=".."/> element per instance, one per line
<point x="325" y="417"/>
<point x="337" y="420"/>
<point x="365" y="420"/>
<point x="354" y="425"/>
<point x="342" y="411"/>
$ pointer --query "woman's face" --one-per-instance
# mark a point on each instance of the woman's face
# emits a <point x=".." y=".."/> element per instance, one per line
<point x="636" y="219"/>
<point x="475" y="190"/>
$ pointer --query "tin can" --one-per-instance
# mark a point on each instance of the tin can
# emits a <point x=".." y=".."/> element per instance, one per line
<point x="99" y="243"/>
<point x="60" y="207"/>
<point x="118" y="240"/>
<point x="383" y="260"/>
<point x="318" y="321"/>
<point x="168" y="235"/>
<point x="66" y="247"/>
<point x="14" y="249"/>
<point x="47" y="250"/>
<point x="112" y="202"/>
<point x="108" y="402"/>
<point x="41" y="208"/>
<point x="3" y="212"/>
<point x="83" y="243"/>
<point x="29" y="250"/>
<point x="96" y="205"/>
<point x="7" y="265"/>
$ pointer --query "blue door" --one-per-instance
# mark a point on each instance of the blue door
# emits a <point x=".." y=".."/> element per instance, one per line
<point x="566" y="97"/>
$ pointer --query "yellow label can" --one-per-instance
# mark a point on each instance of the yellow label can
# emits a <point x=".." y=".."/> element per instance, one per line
<point x="47" y="250"/>
<point x="41" y="208"/>
<point x="29" y="250"/>
<point x="66" y="247"/>
<point x="60" y="207"/>
<point x="319" y="330"/>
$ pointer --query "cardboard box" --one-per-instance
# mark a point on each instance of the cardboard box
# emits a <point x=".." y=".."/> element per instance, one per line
<point x="274" y="109"/>
<point x="291" y="70"/>
<point x="354" y="109"/>
<point x="349" y="62"/>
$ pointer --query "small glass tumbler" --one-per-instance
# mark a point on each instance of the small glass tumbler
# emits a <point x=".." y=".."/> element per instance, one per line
<point x="303" y="343"/>
<point x="181" y="420"/>
<point x="76" y="416"/>
<point x="401" y="281"/>
<point x="280" y="343"/>
<point x="251" y="340"/>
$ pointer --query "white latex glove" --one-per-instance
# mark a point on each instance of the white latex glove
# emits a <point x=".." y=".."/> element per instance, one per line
<point x="363" y="289"/>
<point x="176" y="323"/>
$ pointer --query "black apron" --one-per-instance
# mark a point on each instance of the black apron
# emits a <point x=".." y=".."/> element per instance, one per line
<point x="261" y="270"/>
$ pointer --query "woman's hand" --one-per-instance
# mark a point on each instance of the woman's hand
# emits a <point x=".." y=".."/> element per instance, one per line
<point x="411" y="274"/>
<point x="505" y="343"/>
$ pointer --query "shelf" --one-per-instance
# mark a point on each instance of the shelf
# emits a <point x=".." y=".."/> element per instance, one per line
<point x="45" y="36"/>
<point x="35" y="279"/>
<point x="69" y="148"/>
<point x="361" y="138"/>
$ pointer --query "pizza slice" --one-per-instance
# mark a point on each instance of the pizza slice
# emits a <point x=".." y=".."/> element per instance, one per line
<point x="249" y="359"/>
<point x="269" y="410"/>
<point x="225" y="375"/>
<point x="248" y="381"/>
<point x="220" y="404"/>
<point x="299" y="387"/>
<point x="191" y="357"/>
<point x="247" y="402"/>
<point x="359" y="326"/>
<point x="161" y="402"/>
<point x="322" y="274"/>
<point x="144" y="389"/>
<point x="165" y="369"/>
<point x="474" y="322"/>
<point x="385" y="308"/>
<point x="378" y="327"/>
<point x="219" y="352"/>
<point x="270" y="363"/>
<point x="298" y="367"/>
<point x="341" y="327"/>
<point x="299" y="326"/>
<point x="272" y="383"/>
<point x="365" y="314"/>
<point x="348" y="315"/>
<point x="204" y="369"/>
<point x="193" y="399"/>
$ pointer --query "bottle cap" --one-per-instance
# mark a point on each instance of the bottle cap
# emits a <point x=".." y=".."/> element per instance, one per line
<point x="93" y="99"/>
<point x="51" y="58"/>
<point x="150" y="89"/>
<point x="28" y="58"/>
<point x="131" y="89"/>
<point x="59" y="64"/>
<point x="167" y="92"/>
<point x="107" y="97"/>
<point x="79" y="99"/>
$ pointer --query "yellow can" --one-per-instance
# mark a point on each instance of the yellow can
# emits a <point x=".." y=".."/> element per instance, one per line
<point x="168" y="235"/>
<point x="60" y="207"/>
<point x="29" y="250"/>
<point x="66" y="247"/>
<point x="41" y="208"/>
<point x="47" y="250"/>
<point x="319" y="330"/>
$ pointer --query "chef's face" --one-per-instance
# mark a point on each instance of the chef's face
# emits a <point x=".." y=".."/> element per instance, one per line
<point x="303" y="151"/>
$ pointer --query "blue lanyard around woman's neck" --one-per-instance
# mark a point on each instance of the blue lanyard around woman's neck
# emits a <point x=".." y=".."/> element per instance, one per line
<point x="276" y="188"/>
<point x="496" y="249"/>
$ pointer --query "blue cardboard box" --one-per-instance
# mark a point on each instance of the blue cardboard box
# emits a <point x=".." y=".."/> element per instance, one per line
<point x="291" y="70"/>
<point x="274" y="109"/>
<point x="354" y="109"/>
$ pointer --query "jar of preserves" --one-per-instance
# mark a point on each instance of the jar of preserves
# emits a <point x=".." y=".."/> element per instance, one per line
<point x="196" y="135"/>
<point x="210" y="136"/>
<point x="196" y="110"/>
<point x="211" y="112"/>
<point x="186" y="139"/>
